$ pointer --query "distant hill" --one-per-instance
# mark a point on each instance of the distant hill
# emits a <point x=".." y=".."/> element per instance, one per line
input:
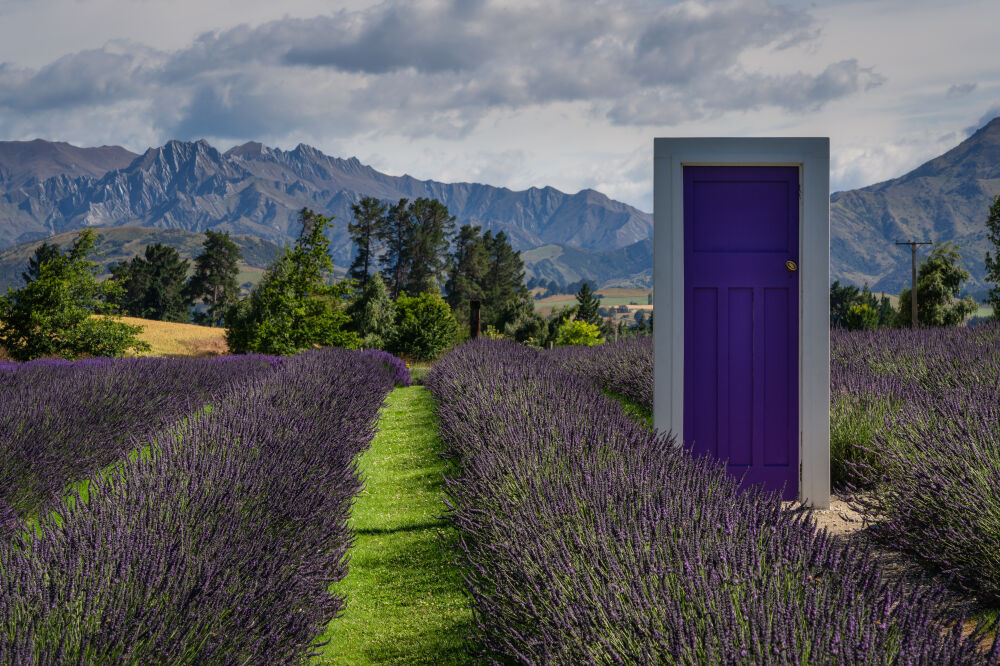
<point x="26" y="162"/>
<point x="117" y="244"/>
<point x="256" y="190"/>
<point x="566" y="265"/>
<point x="946" y="199"/>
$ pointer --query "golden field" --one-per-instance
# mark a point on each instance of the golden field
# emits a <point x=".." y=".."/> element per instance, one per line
<point x="171" y="339"/>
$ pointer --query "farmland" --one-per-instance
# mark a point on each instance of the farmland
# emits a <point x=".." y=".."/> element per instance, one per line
<point x="557" y="528"/>
<point x="168" y="338"/>
<point x="609" y="297"/>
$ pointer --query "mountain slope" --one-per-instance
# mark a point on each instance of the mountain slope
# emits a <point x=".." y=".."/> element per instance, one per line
<point x="117" y="244"/>
<point x="630" y="266"/>
<point x="947" y="198"/>
<point x="25" y="162"/>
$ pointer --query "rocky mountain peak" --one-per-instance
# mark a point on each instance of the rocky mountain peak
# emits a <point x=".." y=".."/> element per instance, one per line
<point x="193" y="160"/>
<point x="249" y="150"/>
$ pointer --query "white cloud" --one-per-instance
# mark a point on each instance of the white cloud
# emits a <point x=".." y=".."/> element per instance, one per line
<point x="437" y="68"/>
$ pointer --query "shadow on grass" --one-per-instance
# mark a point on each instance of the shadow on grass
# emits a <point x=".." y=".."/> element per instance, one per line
<point x="403" y="528"/>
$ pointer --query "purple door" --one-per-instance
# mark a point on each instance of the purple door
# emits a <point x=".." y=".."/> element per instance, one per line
<point x="741" y="239"/>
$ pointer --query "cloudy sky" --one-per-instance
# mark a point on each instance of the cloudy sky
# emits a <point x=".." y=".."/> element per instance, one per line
<point x="568" y="93"/>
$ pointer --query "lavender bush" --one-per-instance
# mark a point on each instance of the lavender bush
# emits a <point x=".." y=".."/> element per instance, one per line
<point x="624" y="368"/>
<point x="61" y="421"/>
<point x="219" y="547"/>
<point x="587" y="539"/>
<point x="397" y="366"/>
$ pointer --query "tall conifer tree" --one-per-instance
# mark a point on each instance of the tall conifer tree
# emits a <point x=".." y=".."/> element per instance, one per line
<point x="587" y="305"/>
<point x="369" y="219"/>
<point x="504" y="294"/>
<point x="433" y="226"/>
<point x="397" y="237"/>
<point x="214" y="279"/>
<point x="468" y="268"/>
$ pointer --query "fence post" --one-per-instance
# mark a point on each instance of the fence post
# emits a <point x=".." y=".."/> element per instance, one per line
<point x="474" y="319"/>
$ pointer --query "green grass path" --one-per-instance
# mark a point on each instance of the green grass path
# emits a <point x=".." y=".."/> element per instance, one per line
<point x="404" y="600"/>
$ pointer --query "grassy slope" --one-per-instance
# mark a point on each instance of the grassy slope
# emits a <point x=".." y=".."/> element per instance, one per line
<point x="404" y="600"/>
<point x="172" y="339"/>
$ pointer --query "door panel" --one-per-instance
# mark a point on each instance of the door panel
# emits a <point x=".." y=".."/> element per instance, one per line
<point x="741" y="320"/>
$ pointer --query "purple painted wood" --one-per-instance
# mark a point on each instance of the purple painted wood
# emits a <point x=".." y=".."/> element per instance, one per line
<point x="741" y="224"/>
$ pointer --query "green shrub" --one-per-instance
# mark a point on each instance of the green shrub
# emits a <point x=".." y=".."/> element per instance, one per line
<point x="425" y="327"/>
<point x="51" y="314"/>
<point x="578" y="333"/>
<point x="861" y="317"/>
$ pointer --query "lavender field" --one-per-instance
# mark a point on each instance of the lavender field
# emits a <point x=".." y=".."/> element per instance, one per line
<point x="175" y="558"/>
<point x="585" y="538"/>
<point x="221" y="491"/>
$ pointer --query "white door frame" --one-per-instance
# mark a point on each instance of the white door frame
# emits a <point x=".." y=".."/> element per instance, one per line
<point x="812" y="156"/>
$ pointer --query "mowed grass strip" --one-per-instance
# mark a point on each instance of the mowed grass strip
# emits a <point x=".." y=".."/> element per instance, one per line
<point x="405" y="603"/>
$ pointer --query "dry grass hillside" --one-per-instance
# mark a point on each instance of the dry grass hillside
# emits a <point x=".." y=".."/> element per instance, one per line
<point x="171" y="339"/>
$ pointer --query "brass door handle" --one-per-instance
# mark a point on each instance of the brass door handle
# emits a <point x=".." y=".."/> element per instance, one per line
<point x="791" y="266"/>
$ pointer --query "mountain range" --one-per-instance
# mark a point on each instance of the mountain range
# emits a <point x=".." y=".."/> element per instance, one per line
<point x="48" y="188"/>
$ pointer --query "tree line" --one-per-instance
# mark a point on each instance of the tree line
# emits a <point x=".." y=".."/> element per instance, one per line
<point x="939" y="281"/>
<point x="409" y="285"/>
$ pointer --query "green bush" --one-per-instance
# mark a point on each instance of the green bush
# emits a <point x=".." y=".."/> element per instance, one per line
<point x="861" y="318"/>
<point x="578" y="333"/>
<point x="425" y="327"/>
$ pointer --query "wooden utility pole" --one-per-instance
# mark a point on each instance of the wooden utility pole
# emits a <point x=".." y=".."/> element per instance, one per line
<point x="913" y="277"/>
<point x="474" y="321"/>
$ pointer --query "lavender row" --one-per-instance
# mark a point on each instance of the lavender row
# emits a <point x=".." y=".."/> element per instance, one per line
<point x="921" y="414"/>
<point x="587" y="539"/>
<point x="624" y="367"/>
<point x="62" y="421"/>
<point x="218" y="548"/>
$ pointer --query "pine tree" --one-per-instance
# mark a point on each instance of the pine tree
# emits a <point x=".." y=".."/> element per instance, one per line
<point x="587" y="305"/>
<point x="214" y="279"/>
<point x="373" y="314"/>
<point x="428" y="248"/>
<point x="43" y="253"/>
<point x="164" y="299"/>
<point x="993" y="262"/>
<point x="505" y="298"/>
<point x="153" y="286"/>
<point x="397" y="236"/>
<point x="468" y="267"/>
<point x="369" y="218"/>
<point x="133" y="278"/>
